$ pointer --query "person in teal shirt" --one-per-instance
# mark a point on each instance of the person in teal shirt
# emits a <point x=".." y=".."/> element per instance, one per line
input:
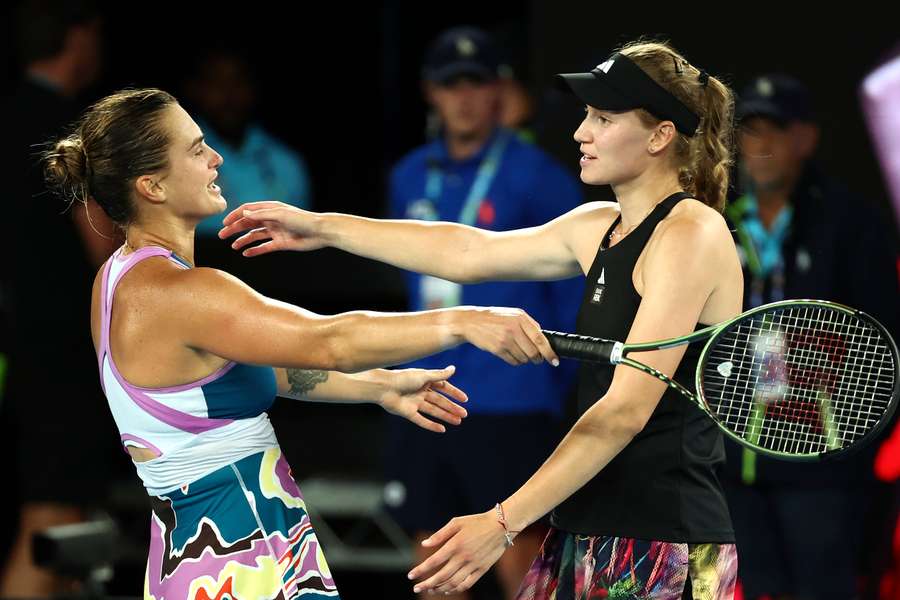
<point x="257" y="166"/>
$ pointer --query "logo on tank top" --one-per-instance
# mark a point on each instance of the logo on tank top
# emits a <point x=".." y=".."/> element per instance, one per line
<point x="599" y="288"/>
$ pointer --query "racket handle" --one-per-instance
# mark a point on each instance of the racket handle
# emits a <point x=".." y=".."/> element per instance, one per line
<point x="584" y="347"/>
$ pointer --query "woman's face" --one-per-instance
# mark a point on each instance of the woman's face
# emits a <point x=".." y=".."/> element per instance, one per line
<point x="189" y="181"/>
<point x="614" y="146"/>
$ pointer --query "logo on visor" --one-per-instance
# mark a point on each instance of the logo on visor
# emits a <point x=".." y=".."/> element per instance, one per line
<point x="606" y="66"/>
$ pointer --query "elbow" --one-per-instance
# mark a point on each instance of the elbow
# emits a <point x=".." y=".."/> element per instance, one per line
<point x="463" y="270"/>
<point x="337" y="345"/>
<point x="622" y="425"/>
<point x="631" y="425"/>
<point x="468" y="268"/>
<point x="334" y="357"/>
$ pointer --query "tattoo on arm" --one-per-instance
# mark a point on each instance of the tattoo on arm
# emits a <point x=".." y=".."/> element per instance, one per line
<point x="303" y="381"/>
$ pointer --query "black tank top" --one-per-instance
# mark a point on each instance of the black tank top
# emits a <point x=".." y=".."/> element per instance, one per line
<point x="663" y="486"/>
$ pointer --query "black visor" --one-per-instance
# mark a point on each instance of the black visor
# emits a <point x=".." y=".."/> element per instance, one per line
<point x="618" y="85"/>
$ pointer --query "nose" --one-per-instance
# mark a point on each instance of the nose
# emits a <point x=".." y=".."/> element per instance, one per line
<point x="216" y="159"/>
<point x="581" y="134"/>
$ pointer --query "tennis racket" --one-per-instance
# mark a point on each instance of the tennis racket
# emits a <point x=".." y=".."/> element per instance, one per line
<point x="799" y="380"/>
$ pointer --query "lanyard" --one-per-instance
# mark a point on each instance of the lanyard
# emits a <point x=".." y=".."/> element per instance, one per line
<point x="764" y="261"/>
<point x="763" y="248"/>
<point x="434" y="181"/>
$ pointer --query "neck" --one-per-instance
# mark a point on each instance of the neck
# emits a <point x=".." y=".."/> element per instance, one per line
<point x="638" y="197"/>
<point x="55" y="72"/>
<point x="178" y="239"/>
<point x="769" y="206"/>
<point x="771" y="199"/>
<point x="463" y="146"/>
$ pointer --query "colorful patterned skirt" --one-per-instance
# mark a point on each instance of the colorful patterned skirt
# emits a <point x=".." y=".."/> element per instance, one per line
<point x="576" y="567"/>
<point x="239" y="532"/>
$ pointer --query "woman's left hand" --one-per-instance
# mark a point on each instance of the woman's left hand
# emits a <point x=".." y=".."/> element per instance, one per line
<point x="468" y="547"/>
<point x="414" y="393"/>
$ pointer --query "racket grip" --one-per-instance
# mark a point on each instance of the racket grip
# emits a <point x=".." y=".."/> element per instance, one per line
<point x="584" y="347"/>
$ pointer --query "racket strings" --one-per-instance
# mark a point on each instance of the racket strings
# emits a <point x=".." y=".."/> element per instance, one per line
<point x="800" y="380"/>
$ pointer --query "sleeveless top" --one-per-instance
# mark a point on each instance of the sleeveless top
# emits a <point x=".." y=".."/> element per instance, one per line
<point x="663" y="486"/>
<point x="191" y="429"/>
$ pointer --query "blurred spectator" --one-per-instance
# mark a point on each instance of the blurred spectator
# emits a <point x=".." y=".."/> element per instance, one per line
<point x="800" y="234"/>
<point x="257" y="166"/>
<point x="880" y="98"/>
<point x="478" y="173"/>
<point x="53" y="411"/>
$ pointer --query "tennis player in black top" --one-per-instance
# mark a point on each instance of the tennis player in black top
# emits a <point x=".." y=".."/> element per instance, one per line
<point x="637" y="506"/>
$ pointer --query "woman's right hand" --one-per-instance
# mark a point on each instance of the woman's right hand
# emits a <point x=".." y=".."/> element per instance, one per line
<point x="509" y="333"/>
<point x="277" y="225"/>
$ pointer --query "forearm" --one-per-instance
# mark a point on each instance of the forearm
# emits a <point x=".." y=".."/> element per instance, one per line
<point x="588" y="447"/>
<point x="333" y="386"/>
<point x="363" y="340"/>
<point x="433" y="248"/>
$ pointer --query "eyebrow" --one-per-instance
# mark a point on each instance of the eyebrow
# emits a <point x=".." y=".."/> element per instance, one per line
<point x="197" y="141"/>
<point x="588" y="107"/>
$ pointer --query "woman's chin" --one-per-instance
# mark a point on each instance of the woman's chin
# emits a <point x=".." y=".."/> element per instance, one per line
<point x="220" y="202"/>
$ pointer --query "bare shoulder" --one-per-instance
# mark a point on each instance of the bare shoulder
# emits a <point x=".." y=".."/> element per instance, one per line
<point x="694" y="241"/>
<point x="198" y="288"/>
<point x="160" y="289"/>
<point x="595" y="211"/>
<point x="587" y="224"/>
<point x="691" y="226"/>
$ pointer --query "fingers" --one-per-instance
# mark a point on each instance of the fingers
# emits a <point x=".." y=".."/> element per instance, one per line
<point x="238" y="212"/>
<point x="260" y="233"/>
<point x="447" y="415"/>
<point x="264" y="248"/>
<point x="437" y="559"/>
<point x="528" y="347"/>
<point x="427" y="423"/>
<point x="448" y="389"/>
<point x="437" y="378"/>
<point x="471" y="580"/>
<point x="455" y="580"/>
<point x="248" y="218"/>
<point x="435" y="375"/>
<point x="533" y="331"/>
<point x="515" y="351"/>
<point x="443" y="403"/>
<point x="241" y="224"/>
<point x="443" y="534"/>
<point x="440" y="578"/>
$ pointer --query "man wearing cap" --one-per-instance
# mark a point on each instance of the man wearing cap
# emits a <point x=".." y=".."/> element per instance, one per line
<point x="801" y="235"/>
<point x="480" y="174"/>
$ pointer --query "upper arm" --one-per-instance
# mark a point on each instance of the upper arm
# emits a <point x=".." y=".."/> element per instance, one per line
<point x="541" y="253"/>
<point x="212" y="311"/>
<point x="680" y="274"/>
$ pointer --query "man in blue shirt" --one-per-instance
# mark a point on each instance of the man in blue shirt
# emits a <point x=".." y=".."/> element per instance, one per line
<point x="256" y="166"/>
<point x="480" y="174"/>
